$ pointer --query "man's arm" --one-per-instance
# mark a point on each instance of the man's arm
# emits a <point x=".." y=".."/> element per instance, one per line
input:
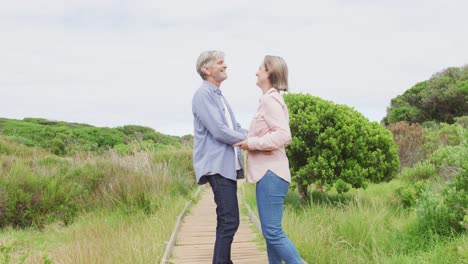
<point x="240" y="129"/>
<point x="206" y="110"/>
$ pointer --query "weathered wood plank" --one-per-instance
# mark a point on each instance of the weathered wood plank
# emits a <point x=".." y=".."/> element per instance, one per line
<point x="195" y="242"/>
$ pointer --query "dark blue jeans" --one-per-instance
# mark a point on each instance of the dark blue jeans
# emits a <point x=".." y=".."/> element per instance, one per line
<point x="227" y="211"/>
<point x="271" y="191"/>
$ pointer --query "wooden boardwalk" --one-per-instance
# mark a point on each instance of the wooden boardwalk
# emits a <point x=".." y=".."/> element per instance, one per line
<point x="195" y="242"/>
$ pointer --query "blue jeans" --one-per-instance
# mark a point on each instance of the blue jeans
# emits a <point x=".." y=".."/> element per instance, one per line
<point x="271" y="191"/>
<point x="227" y="211"/>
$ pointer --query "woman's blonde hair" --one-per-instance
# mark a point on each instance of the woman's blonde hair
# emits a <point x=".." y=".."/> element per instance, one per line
<point x="278" y="72"/>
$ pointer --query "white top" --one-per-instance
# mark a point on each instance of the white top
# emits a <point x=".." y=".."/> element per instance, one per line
<point x="229" y="120"/>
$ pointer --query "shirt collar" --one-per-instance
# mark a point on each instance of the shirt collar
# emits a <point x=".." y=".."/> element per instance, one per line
<point x="213" y="87"/>
<point x="272" y="90"/>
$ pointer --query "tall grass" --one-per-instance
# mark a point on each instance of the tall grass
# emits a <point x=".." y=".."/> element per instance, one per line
<point x="90" y="208"/>
<point x="101" y="236"/>
<point x="36" y="189"/>
<point x="364" y="226"/>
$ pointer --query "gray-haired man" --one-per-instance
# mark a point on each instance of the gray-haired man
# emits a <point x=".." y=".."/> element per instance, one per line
<point x="214" y="158"/>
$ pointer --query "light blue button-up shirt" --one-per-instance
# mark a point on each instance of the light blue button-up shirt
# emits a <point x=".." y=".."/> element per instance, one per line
<point x="213" y="139"/>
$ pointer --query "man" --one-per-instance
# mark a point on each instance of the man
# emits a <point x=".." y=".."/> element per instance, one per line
<point x="214" y="158"/>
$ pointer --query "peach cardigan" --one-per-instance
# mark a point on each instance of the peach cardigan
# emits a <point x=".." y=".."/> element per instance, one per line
<point x="269" y="131"/>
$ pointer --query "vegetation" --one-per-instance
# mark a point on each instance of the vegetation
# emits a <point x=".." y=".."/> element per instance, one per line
<point x="442" y="98"/>
<point x="335" y="145"/>
<point x="363" y="226"/>
<point x="100" y="205"/>
<point x="63" y="138"/>
<point x="421" y="216"/>
<point x="74" y="193"/>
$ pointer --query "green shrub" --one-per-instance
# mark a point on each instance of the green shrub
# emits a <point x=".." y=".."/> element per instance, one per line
<point x="341" y="186"/>
<point x="410" y="193"/>
<point x="55" y="146"/>
<point x="331" y="142"/>
<point x="420" y="171"/>
<point x="450" y="157"/>
<point x="38" y="199"/>
<point x="122" y="149"/>
<point x="456" y="199"/>
<point x="40" y="121"/>
<point x="450" y="134"/>
<point x="404" y="113"/>
<point x="444" y="213"/>
<point x="441" y="135"/>
<point x="442" y="98"/>
<point x="462" y="121"/>
<point x="89" y="176"/>
<point x="432" y="214"/>
<point x="63" y="138"/>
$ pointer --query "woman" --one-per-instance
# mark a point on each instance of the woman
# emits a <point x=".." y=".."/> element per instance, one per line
<point x="267" y="163"/>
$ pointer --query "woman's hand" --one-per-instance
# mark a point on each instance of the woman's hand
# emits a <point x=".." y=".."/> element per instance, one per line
<point x="244" y="145"/>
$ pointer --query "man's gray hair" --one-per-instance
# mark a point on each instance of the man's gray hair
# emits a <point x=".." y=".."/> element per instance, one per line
<point x="207" y="58"/>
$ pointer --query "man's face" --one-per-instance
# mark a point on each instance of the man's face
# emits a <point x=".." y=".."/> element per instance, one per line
<point x="217" y="71"/>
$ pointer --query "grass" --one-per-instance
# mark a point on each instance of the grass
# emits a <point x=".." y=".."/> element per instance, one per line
<point x="115" y="207"/>
<point x="120" y="208"/>
<point x="104" y="236"/>
<point x="363" y="226"/>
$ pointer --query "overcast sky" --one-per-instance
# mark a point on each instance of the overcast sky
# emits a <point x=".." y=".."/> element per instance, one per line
<point x="114" y="63"/>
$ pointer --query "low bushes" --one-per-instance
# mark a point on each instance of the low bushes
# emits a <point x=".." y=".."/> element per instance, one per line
<point x="40" y="188"/>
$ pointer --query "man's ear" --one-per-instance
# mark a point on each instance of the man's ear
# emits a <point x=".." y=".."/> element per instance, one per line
<point x="206" y="71"/>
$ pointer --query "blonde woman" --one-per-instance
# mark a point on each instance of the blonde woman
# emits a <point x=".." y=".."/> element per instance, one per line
<point x="267" y="163"/>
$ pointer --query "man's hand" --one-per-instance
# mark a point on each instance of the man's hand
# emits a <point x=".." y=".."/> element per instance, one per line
<point x="244" y="145"/>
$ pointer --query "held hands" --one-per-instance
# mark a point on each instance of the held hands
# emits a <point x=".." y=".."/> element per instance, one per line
<point x="244" y="145"/>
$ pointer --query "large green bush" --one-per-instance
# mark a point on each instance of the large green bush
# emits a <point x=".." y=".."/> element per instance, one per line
<point x="334" y="142"/>
<point x="442" y="98"/>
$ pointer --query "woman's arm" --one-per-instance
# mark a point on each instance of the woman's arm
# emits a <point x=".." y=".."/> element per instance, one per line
<point x="278" y="121"/>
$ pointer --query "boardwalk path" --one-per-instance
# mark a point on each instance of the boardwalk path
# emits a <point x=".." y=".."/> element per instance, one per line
<point x="195" y="242"/>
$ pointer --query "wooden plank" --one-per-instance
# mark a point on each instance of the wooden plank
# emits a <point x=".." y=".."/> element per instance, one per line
<point x="195" y="242"/>
<point x="171" y="242"/>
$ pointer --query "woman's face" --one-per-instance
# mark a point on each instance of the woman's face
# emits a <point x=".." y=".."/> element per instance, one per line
<point x="262" y="76"/>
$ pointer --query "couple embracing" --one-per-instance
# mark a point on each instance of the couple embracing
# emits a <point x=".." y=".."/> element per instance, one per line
<point x="218" y="141"/>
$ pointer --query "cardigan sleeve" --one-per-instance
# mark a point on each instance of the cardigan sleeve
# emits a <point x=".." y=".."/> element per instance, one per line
<point x="276" y="117"/>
